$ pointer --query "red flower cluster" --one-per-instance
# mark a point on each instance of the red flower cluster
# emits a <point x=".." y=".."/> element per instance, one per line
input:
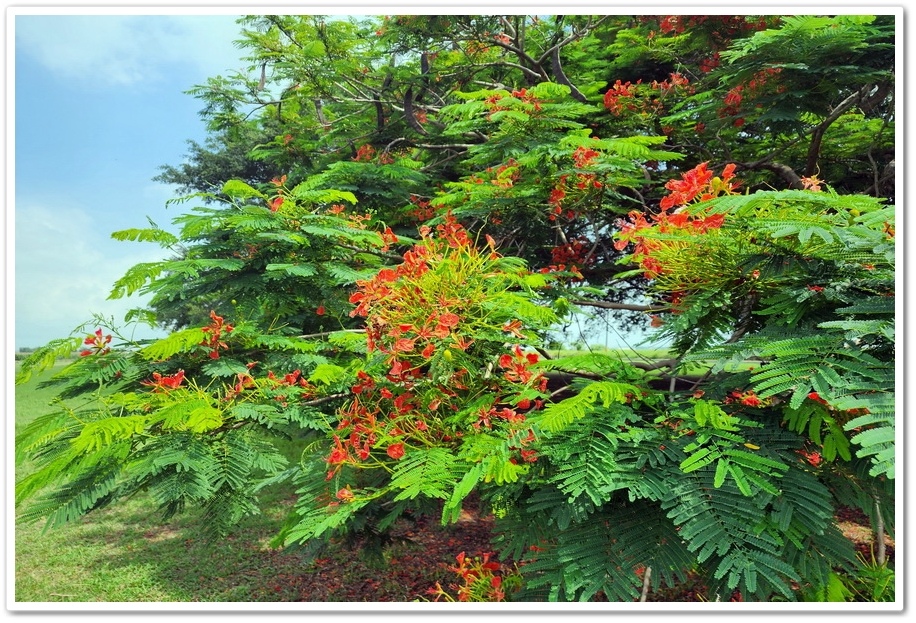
<point x="760" y="83"/>
<point x="583" y="182"/>
<point x="506" y="175"/>
<point x="482" y="580"/>
<point x="627" y="96"/>
<point x="722" y="27"/>
<point x="584" y="157"/>
<point x="422" y="210"/>
<point x="620" y="97"/>
<point x="418" y="314"/>
<point x="812" y="457"/>
<point x="576" y="254"/>
<point x="710" y="63"/>
<point x="98" y="343"/>
<point x="517" y="368"/>
<point x="161" y="383"/>
<point x="365" y="153"/>
<point x="698" y="184"/>
<point x="493" y="102"/>
<point x="811" y="183"/>
<point x="748" y="398"/>
<point x="214" y="332"/>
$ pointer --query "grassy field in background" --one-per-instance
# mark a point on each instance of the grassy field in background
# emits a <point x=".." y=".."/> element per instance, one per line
<point x="126" y="554"/>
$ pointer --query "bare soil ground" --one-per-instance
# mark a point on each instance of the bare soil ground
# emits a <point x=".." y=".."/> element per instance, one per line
<point x="413" y="566"/>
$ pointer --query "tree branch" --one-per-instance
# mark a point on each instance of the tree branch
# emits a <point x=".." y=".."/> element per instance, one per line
<point x="625" y="306"/>
<point x="323" y="399"/>
<point x="409" y="116"/>
<point x="785" y="172"/>
<point x="561" y="77"/>
<point x="327" y="333"/>
<point x="387" y="256"/>
<point x="814" y="150"/>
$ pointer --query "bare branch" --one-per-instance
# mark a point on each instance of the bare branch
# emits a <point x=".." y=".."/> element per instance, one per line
<point x="323" y="399"/>
<point x="814" y="150"/>
<point x="327" y="333"/>
<point x="409" y="115"/>
<point x="561" y="77"/>
<point x="388" y="256"/>
<point x="624" y="306"/>
<point x="785" y="172"/>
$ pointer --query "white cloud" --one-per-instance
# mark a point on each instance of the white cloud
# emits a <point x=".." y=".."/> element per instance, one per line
<point x="122" y="50"/>
<point x="65" y="269"/>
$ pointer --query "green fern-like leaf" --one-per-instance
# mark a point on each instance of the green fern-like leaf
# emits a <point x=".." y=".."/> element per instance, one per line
<point x="104" y="432"/>
<point x="152" y="234"/>
<point x="136" y="278"/>
<point x="178" y="342"/>
<point x="559" y="415"/>
<point x="429" y="472"/>
<point x="315" y="523"/>
<point x="44" y="357"/>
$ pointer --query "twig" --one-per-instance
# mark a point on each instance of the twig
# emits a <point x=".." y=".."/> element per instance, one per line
<point x="324" y="399"/>
<point x="646" y="581"/>
<point x="627" y="306"/>
<point x="879" y="534"/>
<point x="327" y="333"/>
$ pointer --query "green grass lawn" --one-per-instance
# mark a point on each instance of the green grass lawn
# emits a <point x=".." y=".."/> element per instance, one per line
<point x="127" y="554"/>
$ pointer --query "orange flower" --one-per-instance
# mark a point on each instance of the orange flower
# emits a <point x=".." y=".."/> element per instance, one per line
<point x="164" y="383"/>
<point x="395" y="451"/>
<point x="98" y="342"/>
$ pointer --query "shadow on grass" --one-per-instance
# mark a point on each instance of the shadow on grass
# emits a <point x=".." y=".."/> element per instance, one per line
<point x="127" y="554"/>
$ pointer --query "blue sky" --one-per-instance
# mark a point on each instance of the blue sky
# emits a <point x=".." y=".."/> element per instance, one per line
<point x="99" y="105"/>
